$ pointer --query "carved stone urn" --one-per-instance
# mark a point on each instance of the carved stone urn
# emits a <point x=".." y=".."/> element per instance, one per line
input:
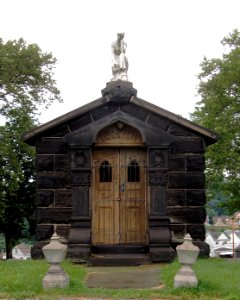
<point x="55" y="253"/>
<point x="187" y="255"/>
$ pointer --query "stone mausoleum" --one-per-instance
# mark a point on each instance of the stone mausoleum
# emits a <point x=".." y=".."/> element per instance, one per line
<point x="120" y="178"/>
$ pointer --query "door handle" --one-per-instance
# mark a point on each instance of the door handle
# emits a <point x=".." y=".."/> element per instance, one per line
<point x="122" y="187"/>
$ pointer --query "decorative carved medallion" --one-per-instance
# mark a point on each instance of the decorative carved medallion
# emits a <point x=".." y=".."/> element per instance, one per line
<point x="156" y="179"/>
<point x="81" y="178"/>
<point x="80" y="159"/>
<point x="158" y="158"/>
<point x="119" y="134"/>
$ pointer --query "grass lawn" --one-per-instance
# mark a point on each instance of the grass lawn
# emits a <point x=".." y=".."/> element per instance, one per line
<point x="218" y="279"/>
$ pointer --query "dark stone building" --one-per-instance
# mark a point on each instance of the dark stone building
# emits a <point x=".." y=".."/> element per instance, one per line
<point x="120" y="175"/>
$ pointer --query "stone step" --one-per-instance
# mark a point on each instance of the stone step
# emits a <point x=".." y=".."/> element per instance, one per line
<point x="118" y="259"/>
<point x="120" y="249"/>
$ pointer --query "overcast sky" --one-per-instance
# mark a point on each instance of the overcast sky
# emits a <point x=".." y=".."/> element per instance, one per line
<point x="167" y="40"/>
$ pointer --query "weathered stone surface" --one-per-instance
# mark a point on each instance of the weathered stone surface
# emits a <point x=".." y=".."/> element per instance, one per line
<point x="58" y="131"/>
<point x="63" y="231"/>
<point x="159" y="122"/>
<point x="195" y="163"/>
<point x="134" y="110"/>
<point x="53" y="215"/>
<point x="80" y="158"/>
<point x="48" y="180"/>
<point x="80" y="122"/>
<point x="80" y="201"/>
<point x="159" y="235"/>
<point x="78" y="253"/>
<point x="161" y="254"/>
<point x="44" y="198"/>
<point x="105" y="110"/>
<point x="188" y="145"/>
<point x="157" y="179"/>
<point x="186" y="180"/>
<point x="196" y="198"/>
<point x="204" y="248"/>
<point x="44" y="163"/>
<point x="176" y="197"/>
<point x="186" y="215"/>
<point x="177" y="163"/>
<point x="49" y="145"/>
<point x="61" y="163"/>
<point x="158" y="158"/>
<point x="119" y="91"/>
<point x="197" y="231"/>
<point x="179" y="130"/>
<point x="36" y="250"/>
<point x="158" y="201"/>
<point x="63" y="198"/>
<point x="178" y="231"/>
<point x="44" y="232"/>
<point x="81" y="178"/>
<point x="80" y="235"/>
<point x="174" y="174"/>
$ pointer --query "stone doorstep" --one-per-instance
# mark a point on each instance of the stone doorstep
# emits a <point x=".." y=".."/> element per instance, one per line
<point x="139" y="277"/>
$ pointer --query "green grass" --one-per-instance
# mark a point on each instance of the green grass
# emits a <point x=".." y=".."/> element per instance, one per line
<point x="218" y="279"/>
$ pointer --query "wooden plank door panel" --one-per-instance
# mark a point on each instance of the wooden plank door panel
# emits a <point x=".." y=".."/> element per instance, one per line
<point x="132" y="205"/>
<point x="119" y="206"/>
<point x="105" y="228"/>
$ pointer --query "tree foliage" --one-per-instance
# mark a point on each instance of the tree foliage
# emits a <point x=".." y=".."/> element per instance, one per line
<point x="26" y="77"/>
<point x="219" y="110"/>
<point x="26" y="84"/>
<point x="17" y="177"/>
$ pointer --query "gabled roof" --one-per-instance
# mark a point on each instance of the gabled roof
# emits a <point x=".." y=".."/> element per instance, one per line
<point x="24" y="248"/>
<point x="223" y="236"/>
<point x="122" y="92"/>
<point x="237" y="234"/>
<point x="214" y="235"/>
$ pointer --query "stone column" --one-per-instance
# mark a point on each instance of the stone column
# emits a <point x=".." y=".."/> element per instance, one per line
<point x="80" y="232"/>
<point x="159" y="230"/>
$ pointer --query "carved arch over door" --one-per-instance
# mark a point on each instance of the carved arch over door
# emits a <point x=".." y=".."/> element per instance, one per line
<point x="119" y="134"/>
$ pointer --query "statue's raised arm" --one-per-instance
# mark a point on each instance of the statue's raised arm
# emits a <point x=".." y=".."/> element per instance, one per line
<point x="119" y="59"/>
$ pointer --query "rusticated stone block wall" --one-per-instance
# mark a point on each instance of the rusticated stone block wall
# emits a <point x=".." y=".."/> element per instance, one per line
<point x="185" y="190"/>
<point x="176" y="174"/>
<point x="54" y="193"/>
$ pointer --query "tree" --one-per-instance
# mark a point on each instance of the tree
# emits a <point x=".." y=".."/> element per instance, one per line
<point x="17" y="177"/>
<point x="26" y="77"/>
<point x="219" y="110"/>
<point x="26" y="83"/>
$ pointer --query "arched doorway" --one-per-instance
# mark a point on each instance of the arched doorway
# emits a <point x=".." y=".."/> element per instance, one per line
<point x="119" y="206"/>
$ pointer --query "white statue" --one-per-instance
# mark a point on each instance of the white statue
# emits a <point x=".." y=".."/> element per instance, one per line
<point x="119" y="59"/>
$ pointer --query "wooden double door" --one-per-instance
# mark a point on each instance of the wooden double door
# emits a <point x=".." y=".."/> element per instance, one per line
<point x="119" y="196"/>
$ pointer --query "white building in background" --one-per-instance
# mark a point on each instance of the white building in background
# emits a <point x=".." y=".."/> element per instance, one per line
<point x="20" y="251"/>
<point x="222" y="243"/>
<point x="215" y="240"/>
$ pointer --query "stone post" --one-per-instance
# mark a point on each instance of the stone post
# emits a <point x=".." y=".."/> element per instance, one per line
<point x="54" y="253"/>
<point x="187" y="255"/>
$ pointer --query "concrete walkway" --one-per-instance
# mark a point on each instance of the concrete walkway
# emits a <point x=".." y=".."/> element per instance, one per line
<point x="137" y="277"/>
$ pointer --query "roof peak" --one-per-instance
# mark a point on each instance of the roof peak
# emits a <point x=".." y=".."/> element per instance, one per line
<point x="119" y="91"/>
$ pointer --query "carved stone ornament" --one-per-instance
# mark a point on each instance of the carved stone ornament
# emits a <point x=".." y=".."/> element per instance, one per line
<point x="119" y="134"/>
<point x="82" y="178"/>
<point x="159" y="158"/>
<point x="79" y="159"/>
<point x="156" y="179"/>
